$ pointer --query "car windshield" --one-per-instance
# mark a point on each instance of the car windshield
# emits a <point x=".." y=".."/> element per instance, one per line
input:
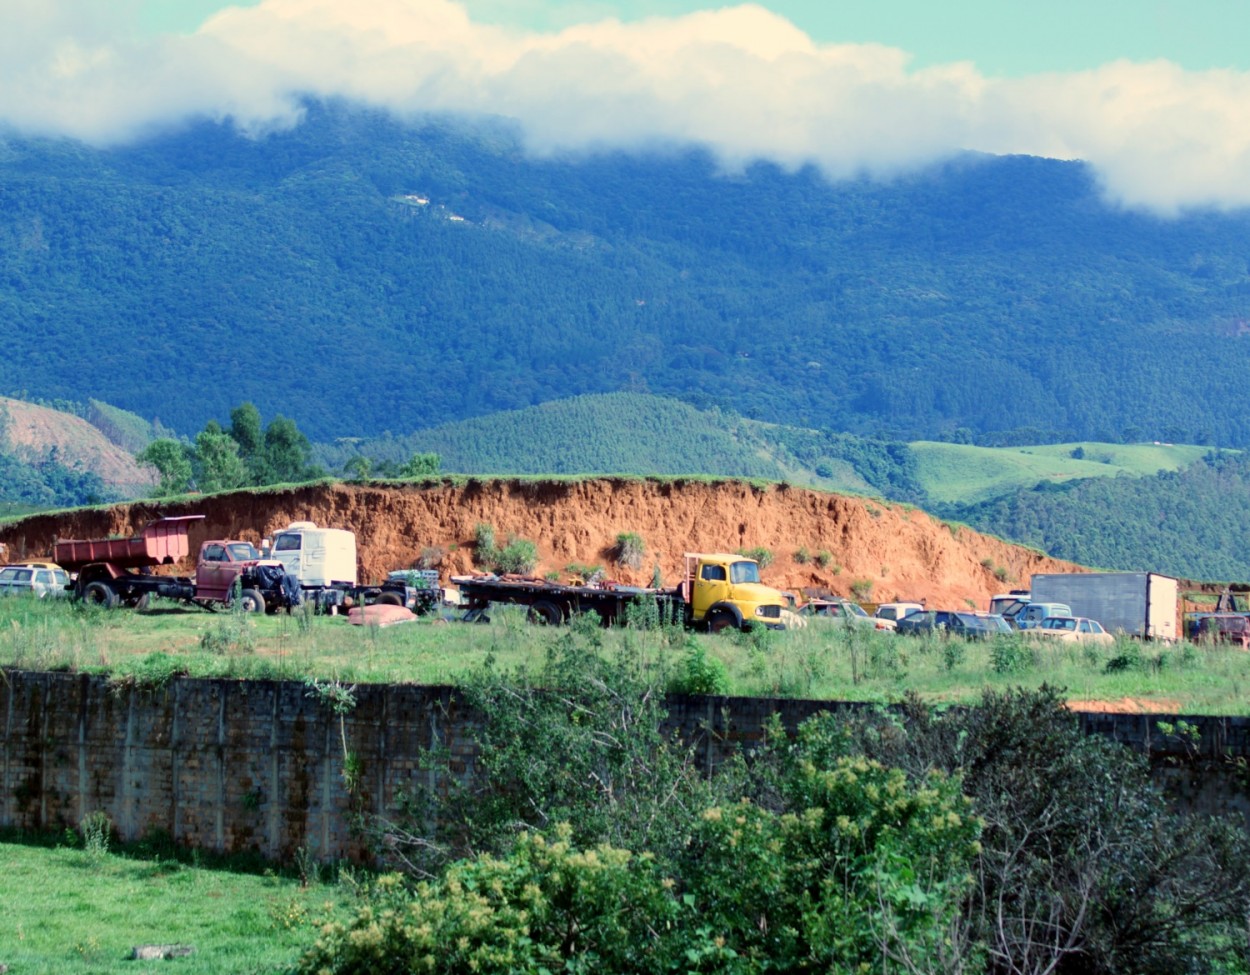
<point x="1059" y="623"/>
<point x="744" y="572"/>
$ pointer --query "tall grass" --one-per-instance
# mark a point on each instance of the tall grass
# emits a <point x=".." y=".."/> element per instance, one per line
<point x="824" y="660"/>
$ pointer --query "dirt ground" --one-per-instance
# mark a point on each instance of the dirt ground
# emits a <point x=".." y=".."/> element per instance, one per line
<point x="900" y="553"/>
<point x="78" y="444"/>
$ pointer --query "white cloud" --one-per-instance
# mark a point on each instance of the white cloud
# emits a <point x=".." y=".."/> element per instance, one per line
<point x="741" y="80"/>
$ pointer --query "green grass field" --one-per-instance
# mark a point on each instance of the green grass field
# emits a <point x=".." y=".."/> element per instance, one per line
<point x="71" y="910"/>
<point x="818" y="662"/>
<point x="960" y="473"/>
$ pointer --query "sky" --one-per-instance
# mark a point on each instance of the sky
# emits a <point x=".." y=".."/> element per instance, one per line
<point x="1153" y="94"/>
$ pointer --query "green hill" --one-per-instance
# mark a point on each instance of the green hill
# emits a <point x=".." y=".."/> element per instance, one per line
<point x="963" y="474"/>
<point x="628" y="433"/>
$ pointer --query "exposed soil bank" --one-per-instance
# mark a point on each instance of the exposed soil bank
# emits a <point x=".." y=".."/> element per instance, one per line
<point x="903" y="552"/>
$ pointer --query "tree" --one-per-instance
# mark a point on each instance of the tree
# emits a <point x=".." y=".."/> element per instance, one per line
<point x="421" y="465"/>
<point x="218" y="464"/>
<point x="170" y="459"/>
<point x="287" y="452"/>
<point x="245" y="429"/>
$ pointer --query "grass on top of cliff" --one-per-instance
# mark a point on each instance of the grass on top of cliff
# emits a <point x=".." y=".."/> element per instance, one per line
<point x="819" y="661"/>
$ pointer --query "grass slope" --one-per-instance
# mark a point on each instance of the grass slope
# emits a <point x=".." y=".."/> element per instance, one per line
<point x="963" y="474"/>
<point x="83" y="911"/>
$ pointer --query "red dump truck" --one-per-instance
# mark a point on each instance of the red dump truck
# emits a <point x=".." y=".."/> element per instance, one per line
<point x="118" y="571"/>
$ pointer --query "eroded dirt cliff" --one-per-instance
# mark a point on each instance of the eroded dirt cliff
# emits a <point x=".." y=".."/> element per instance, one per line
<point x="905" y="553"/>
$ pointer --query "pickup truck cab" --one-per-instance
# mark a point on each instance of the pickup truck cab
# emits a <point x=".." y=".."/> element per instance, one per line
<point x="1031" y="616"/>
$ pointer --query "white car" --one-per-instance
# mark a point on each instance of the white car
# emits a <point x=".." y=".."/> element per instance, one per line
<point x="1072" y="629"/>
<point x="887" y="615"/>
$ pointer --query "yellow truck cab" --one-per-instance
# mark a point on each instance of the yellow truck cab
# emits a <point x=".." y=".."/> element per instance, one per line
<point x="724" y="591"/>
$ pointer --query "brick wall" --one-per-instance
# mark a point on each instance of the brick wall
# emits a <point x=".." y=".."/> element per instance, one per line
<point x="257" y="766"/>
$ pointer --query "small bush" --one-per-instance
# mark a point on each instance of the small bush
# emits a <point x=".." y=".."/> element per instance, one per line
<point x="761" y="555"/>
<point x="861" y="589"/>
<point x="519" y="556"/>
<point x="699" y="673"/>
<point x="1012" y="656"/>
<point x="802" y="556"/>
<point x="1001" y="574"/>
<point x="630" y="549"/>
<point x="823" y="559"/>
<point x="954" y="653"/>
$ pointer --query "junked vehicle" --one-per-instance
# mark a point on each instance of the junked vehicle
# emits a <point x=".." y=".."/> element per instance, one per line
<point x="42" y="579"/>
<point x="1071" y="629"/>
<point x="843" y="610"/>
<point x="943" y="622"/>
<point x="887" y="615"/>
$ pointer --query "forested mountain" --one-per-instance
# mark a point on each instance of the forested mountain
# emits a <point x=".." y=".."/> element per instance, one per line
<point x="358" y="275"/>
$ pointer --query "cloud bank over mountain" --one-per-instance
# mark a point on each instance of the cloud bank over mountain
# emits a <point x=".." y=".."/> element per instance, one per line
<point x="741" y="80"/>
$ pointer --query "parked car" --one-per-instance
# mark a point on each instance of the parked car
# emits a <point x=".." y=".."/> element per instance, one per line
<point x="1072" y="629"/>
<point x="42" y="579"/>
<point x="888" y="614"/>
<point x="1231" y="628"/>
<point x="1032" y="614"/>
<point x="945" y="622"/>
<point x="843" y="610"/>
<point x="996" y="623"/>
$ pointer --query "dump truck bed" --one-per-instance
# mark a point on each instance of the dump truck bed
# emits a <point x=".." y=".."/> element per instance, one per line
<point x="162" y="542"/>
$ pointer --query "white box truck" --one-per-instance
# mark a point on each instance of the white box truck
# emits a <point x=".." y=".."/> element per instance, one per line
<point x="1142" y="604"/>
<point x="320" y="558"/>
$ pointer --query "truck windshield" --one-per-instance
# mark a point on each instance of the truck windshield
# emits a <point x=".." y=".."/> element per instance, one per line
<point x="744" y="572"/>
<point x="242" y="551"/>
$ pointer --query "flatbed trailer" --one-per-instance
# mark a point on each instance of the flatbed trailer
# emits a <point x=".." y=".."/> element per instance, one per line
<point x="719" y="592"/>
<point x="551" y="603"/>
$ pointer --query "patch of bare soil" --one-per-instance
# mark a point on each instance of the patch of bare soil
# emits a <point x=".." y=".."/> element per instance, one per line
<point x="34" y="430"/>
<point x="1128" y="705"/>
<point x="896" y="553"/>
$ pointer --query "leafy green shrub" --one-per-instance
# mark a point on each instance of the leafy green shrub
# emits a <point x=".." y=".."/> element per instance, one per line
<point x="802" y="556"/>
<point x="761" y="555"/>
<point x="630" y="550"/>
<point x="861" y="589"/>
<point x="823" y="558"/>
<point x="484" y="544"/>
<point x="519" y="556"/>
<point x="547" y="907"/>
<point x="1127" y="656"/>
<point x="954" y="652"/>
<point x="699" y="673"/>
<point x="1012" y="655"/>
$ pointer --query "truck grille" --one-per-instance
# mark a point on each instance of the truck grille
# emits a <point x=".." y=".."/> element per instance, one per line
<point x="769" y="612"/>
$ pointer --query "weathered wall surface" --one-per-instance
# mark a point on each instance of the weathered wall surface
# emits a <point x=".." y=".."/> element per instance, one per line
<point x="257" y="766"/>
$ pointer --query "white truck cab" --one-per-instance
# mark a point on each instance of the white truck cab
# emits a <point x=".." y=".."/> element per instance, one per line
<point x="317" y="557"/>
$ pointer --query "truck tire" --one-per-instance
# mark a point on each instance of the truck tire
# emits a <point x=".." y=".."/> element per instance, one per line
<point x="99" y="594"/>
<point x="251" y="601"/>
<point x="389" y="599"/>
<point x="545" y="613"/>
<point x="721" y="621"/>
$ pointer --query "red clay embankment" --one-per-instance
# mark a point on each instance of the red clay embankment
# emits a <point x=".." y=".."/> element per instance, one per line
<point x="905" y="553"/>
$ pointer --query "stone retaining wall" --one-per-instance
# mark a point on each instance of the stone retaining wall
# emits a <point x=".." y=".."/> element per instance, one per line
<point x="258" y="766"/>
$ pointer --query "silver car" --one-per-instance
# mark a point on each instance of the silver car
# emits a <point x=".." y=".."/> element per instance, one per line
<point x="44" y="581"/>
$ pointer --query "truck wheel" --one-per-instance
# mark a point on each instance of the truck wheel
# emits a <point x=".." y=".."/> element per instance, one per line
<point x="721" y="621"/>
<point x="545" y="613"/>
<point x="251" y="601"/>
<point x="389" y="599"/>
<point x="99" y="594"/>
